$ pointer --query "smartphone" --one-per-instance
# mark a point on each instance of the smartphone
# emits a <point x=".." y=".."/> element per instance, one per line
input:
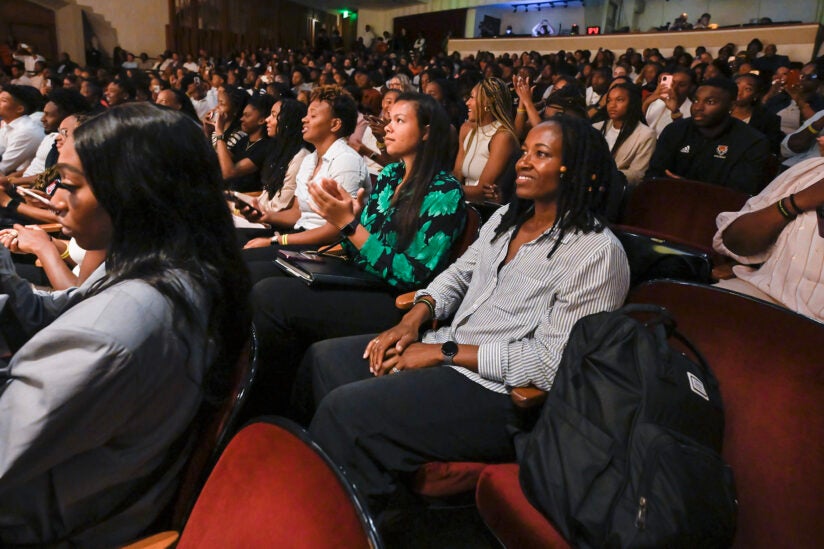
<point x="308" y="255"/>
<point x="793" y="78"/>
<point x="666" y="81"/>
<point x="29" y="192"/>
<point x="240" y="198"/>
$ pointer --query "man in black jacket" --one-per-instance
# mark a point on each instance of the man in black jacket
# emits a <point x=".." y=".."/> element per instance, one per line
<point x="712" y="146"/>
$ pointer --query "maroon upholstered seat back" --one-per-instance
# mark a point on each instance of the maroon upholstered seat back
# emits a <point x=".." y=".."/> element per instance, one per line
<point x="680" y="210"/>
<point x="214" y="425"/>
<point x="273" y="487"/>
<point x="469" y="235"/>
<point x="770" y="365"/>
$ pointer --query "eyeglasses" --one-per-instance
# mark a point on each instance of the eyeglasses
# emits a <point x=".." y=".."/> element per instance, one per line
<point x="812" y="76"/>
<point x="55" y="183"/>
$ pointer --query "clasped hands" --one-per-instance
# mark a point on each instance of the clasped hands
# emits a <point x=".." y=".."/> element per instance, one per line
<point x="398" y="349"/>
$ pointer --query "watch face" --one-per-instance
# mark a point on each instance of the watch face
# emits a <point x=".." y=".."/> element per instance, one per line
<point x="450" y="348"/>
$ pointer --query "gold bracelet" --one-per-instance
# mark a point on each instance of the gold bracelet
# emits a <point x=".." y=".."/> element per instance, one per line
<point x="521" y="110"/>
<point x="65" y="254"/>
<point x="812" y="130"/>
<point x="284" y="240"/>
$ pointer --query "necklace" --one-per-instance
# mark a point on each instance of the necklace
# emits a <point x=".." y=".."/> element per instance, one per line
<point x="250" y="144"/>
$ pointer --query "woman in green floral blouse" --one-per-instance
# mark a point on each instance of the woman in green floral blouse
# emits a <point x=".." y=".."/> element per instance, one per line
<point x="402" y="232"/>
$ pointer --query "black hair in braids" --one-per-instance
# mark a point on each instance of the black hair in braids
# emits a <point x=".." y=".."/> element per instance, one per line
<point x="585" y="183"/>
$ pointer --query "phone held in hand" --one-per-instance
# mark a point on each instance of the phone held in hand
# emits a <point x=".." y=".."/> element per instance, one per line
<point x="22" y="191"/>
<point x="793" y="78"/>
<point x="666" y="81"/>
<point x="242" y="200"/>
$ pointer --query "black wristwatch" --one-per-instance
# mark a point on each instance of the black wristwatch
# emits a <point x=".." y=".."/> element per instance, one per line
<point x="449" y="350"/>
<point x="349" y="228"/>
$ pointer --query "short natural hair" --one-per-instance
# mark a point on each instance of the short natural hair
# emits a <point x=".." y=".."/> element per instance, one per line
<point x="343" y="106"/>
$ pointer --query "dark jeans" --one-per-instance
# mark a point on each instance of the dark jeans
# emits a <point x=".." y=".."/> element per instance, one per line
<point x="289" y="316"/>
<point x="381" y="428"/>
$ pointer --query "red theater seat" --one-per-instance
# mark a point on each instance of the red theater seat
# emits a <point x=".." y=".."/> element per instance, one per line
<point x="274" y="487"/>
<point x="770" y="367"/>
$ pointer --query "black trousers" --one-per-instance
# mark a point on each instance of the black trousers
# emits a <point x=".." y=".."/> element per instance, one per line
<point x="381" y="429"/>
<point x="289" y="316"/>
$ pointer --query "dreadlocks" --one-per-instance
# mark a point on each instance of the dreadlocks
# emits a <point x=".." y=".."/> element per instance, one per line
<point x="590" y="171"/>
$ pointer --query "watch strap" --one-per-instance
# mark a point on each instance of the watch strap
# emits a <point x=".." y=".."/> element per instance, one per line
<point x="350" y="228"/>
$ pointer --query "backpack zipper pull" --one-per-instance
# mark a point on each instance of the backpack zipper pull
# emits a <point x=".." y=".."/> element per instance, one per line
<point x="641" y="517"/>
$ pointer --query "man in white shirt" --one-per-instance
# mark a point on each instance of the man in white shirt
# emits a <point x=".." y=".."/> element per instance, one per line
<point x="192" y="85"/>
<point x="62" y="103"/>
<point x="669" y="103"/>
<point x="18" y="75"/>
<point x="20" y="135"/>
<point x="130" y="62"/>
<point x="190" y="64"/>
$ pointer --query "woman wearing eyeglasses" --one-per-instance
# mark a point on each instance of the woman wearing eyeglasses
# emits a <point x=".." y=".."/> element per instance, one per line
<point x="96" y="407"/>
<point x="63" y="263"/>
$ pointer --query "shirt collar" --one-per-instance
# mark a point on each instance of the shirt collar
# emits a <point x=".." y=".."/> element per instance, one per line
<point x="334" y="149"/>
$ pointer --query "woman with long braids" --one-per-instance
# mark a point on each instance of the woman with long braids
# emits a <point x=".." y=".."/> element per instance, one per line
<point x="487" y="143"/>
<point x="96" y="408"/>
<point x="391" y="402"/>
<point x="631" y="141"/>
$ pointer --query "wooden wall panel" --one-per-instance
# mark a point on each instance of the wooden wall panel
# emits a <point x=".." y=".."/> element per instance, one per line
<point x="29" y="23"/>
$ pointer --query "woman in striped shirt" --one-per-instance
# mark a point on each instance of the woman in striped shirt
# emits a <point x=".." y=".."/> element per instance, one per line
<point x="538" y="266"/>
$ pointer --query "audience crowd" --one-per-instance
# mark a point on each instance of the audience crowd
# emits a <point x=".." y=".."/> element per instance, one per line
<point x="381" y="150"/>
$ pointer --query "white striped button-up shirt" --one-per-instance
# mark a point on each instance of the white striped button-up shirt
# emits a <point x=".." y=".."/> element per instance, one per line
<point x="520" y="314"/>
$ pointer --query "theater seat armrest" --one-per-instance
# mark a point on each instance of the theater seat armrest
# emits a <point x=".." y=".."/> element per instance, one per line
<point x="51" y="227"/>
<point x="405" y="301"/>
<point x="527" y="397"/>
<point x="163" y="540"/>
<point x="723" y="271"/>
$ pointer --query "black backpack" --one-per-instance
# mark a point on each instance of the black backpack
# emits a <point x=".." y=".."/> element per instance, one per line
<point x="626" y="450"/>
